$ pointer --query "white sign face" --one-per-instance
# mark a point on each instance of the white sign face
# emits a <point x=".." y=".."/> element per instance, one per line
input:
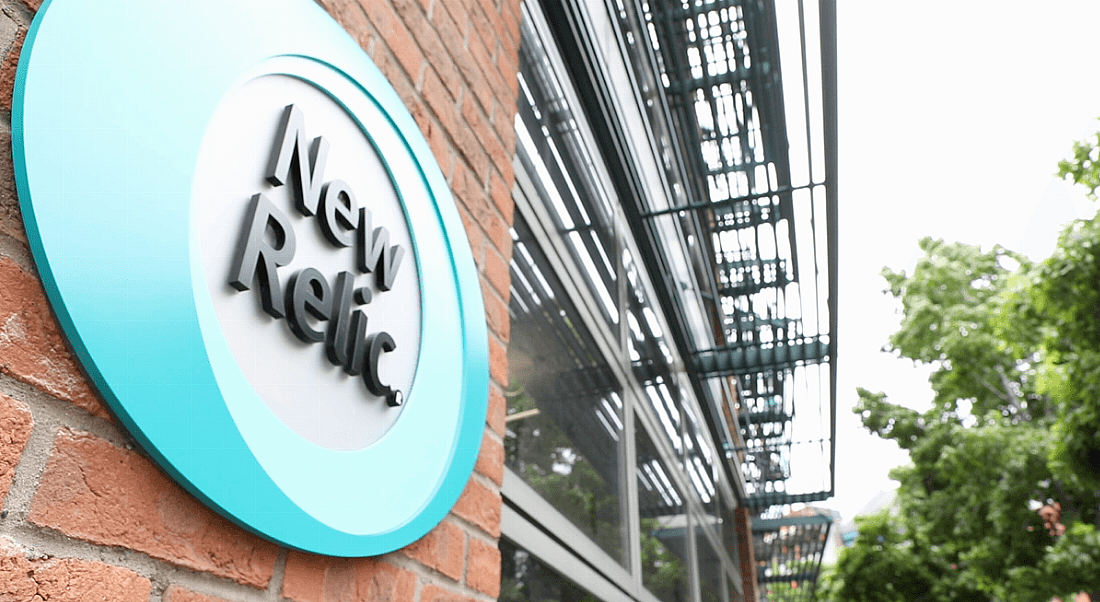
<point x="313" y="393"/>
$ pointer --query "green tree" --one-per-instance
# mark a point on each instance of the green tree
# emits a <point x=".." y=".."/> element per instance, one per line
<point x="1014" y="423"/>
<point x="881" y="566"/>
<point x="1069" y="294"/>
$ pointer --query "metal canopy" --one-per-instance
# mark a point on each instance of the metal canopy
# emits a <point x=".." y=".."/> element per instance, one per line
<point x="747" y="94"/>
<point x="772" y="283"/>
<point x="739" y="99"/>
<point x="789" y="551"/>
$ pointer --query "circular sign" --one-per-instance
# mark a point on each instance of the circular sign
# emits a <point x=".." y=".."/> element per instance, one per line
<point x="257" y="261"/>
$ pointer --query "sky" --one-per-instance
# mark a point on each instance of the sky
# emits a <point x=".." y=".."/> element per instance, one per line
<point x="952" y="119"/>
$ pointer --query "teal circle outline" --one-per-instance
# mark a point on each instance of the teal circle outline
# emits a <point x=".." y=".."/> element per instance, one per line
<point x="111" y="103"/>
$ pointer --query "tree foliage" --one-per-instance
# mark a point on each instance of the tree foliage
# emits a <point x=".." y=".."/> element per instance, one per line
<point x="1014" y="425"/>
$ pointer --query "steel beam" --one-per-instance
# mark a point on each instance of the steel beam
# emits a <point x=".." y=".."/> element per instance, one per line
<point x="747" y="360"/>
<point x="775" y="524"/>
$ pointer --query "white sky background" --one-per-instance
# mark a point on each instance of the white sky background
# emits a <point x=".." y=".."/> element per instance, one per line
<point x="953" y="116"/>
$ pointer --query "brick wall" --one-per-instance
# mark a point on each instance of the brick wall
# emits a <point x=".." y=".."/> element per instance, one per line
<point x="86" y="516"/>
<point x="743" y="520"/>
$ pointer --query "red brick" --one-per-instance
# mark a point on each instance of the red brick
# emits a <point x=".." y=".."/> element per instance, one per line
<point x="475" y="78"/>
<point x="445" y="24"/>
<point x="434" y="49"/>
<point x="66" y="580"/>
<point x="743" y="524"/>
<point x="483" y="573"/>
<point x="512" y="20"/>
<point x="473" y="234"/>
<point x="442" y="549"/>
<point x="440" y="101"/>
<point x="496" y="313"/>
<point x="483" y="27"/>
<point x="16" y="424"/>
<point x="475" y="115"/>
<point x="471" y="193"/>
<point x="499" y="234"/>
<point x="508" y="175"/>
<point x="493" y="84"/>
<point x="497" y="273"/>
<point x="31" y="348"/>
<point x="434" y="593"/>
<point x="498" y="29"/>
<point x="500" y="190"/>
<point x="396" y="37"/>
<point x="490" y="460"/>
<point x="11" y="217"/>
<point x="507" y="58"/>
<point x="503" y="118"/>
<point x="176" y="593"/>
<point x="469" y="147"/>
<point x="94" y="491"/>
<point x="468" y="192"/>
<point x="436" y="137"/>
<point x="498" y="409"/>
<point x="398" y="79"/>
<point x="485" y="134"/>
<point x="507" y="63"/>
<point x="312" y="578"/>
<point x="482" y="68"/>
<point x="504" y="122"/>
<point x="481" y="506"/>
<point x="9" y="67"/>
<point x="498" y="361"/>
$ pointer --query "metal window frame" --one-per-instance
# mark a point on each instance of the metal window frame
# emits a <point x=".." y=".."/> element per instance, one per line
<point x="526" y="535"/>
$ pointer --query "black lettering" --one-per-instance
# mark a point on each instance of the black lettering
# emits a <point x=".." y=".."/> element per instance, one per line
<point x="254" y="251"/>
<point x="309" y="292"/>
<point x="358" y="342"/>
<point x="378" y="344"/>
<point x="339" y="213"/>
<point x="289" y="152"/>
<point x="336" y="345"/>
<point x="375" y="253"/>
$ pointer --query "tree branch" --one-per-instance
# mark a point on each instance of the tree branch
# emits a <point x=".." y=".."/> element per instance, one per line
<point x="1014" y="399"/>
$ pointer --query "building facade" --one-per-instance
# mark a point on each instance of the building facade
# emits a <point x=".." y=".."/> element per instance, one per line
<point x="655" y="237"/>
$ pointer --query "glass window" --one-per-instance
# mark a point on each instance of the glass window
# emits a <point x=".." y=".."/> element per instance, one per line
<point x="555" y="151"/>
<point x="651" y="357"/>
<point x="564" y="424"/>
<point x="524" y="579"/>
<point x="662" y="524"/>
<point x="734" y="593"/>
<point x="699" y="463"/>
<point x="710" y="570"/>
<point x="729" y="532"/>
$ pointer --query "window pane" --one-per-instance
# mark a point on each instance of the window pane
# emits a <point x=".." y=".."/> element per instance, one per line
<point x="662" y="524"/>
<point x="734" y="594"/>
<point x="729" y="533"/>
<point x="651" y="357"/>
<point x="710" y="570"/>
<point x="564" y="428"/>
<point x="702" y="470"/>
<point x="554" y="150"/>
<point x="524" y="579"/>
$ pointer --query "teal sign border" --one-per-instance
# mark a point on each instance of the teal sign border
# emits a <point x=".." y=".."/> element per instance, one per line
<point x="112" y="99"/>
